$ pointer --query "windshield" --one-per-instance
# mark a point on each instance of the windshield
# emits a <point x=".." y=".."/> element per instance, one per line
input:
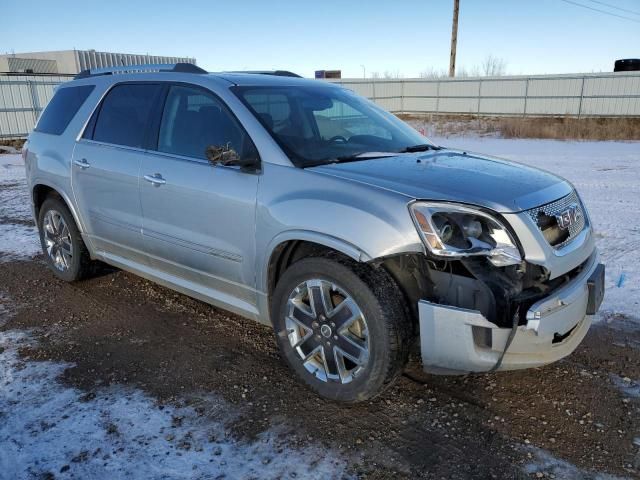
<point x="315" y="125"/>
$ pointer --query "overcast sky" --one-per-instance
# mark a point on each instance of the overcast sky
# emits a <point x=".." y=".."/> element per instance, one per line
<point x="403" y="37"/>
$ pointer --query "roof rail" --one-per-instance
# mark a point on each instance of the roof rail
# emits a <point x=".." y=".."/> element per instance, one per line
<point x="277" y="73"/>
<point x="158" y="67"/>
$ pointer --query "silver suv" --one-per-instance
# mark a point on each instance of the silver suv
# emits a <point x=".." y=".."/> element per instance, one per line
<point x="306" y="207"/>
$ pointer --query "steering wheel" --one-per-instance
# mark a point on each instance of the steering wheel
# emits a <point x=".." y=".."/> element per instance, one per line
<point x="338" y="139"/>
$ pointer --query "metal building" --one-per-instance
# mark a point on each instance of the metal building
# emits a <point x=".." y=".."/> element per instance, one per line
<point x="71" y="62"/>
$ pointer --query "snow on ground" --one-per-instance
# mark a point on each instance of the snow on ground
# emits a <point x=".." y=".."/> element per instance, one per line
<point x="18" y="241"/>
<point x="607" y="177"/>
<point x="542" y="462"/>
<point x="48" y="430"/>
<point x="627" y="386"/>
<point x="18" y="235"/>
<point x="46" y="427"/>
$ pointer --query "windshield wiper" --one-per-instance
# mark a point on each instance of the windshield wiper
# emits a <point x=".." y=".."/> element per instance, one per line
<point x="367" y="156"/>
<point x="422" y="147"/>
<point x="362" y="156"/>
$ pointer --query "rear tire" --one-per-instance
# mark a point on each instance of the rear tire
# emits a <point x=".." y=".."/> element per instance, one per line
<point x="360" y="346"/>
<point x="62" y="245"/>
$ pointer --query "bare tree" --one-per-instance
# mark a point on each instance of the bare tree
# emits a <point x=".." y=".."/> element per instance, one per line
<point x="493" y="66"/>
<point x="375" y="75"/>
<point x="490" y="67"/>
<point x="432" y="73"/>
<point x="388" y="74"/>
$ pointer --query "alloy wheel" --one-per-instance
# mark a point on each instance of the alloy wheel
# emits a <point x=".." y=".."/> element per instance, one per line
<point x="328" y="330"/>
<point x="57" y="240"/>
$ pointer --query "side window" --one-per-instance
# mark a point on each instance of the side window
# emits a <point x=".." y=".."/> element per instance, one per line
<point x="62" y="108"/>
<point x="194" y="121"/>
<point x="125" y="114"/>
<point x="345" y="121"/>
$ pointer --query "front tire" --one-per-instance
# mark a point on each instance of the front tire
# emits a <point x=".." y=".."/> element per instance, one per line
<point x="62" y="245"/>
<point x="342" y="327"/>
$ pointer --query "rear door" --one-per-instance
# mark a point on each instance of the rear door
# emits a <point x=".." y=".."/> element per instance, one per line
<point x="106" y="168"/>
<point x="199" y="219"/>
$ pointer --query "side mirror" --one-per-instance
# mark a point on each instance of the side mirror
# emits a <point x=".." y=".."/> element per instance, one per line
<point x="250" y="164"/>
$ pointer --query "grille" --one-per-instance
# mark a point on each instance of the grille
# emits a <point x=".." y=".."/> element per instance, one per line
<point x="554" y="208"/>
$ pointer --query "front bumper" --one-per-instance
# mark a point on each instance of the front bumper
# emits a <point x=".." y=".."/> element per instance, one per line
<point x="455" y="340"/>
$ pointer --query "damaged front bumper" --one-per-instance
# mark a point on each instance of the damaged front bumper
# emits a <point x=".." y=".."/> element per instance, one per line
<point x="456" y="340"/>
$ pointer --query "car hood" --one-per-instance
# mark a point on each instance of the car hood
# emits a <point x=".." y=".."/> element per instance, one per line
<point x="450" y="175"/>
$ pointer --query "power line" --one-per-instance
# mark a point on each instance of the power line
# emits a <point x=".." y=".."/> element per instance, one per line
<point x="615" y="7"/>
<point x="601" y="11"/>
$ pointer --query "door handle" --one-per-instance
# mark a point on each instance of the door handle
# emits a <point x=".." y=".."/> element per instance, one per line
<point x="155" y="179"/>
<point x="82" y="163"/>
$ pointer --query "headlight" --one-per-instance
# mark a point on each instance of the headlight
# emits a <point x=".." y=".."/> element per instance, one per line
<point x="457" y="231"/>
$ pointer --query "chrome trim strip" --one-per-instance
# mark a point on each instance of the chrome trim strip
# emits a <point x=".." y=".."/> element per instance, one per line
<point x="192" y="246"/>
<point x="200" y="161"/>
<point x="112" y="221"/>
<point x="111" y="145"/>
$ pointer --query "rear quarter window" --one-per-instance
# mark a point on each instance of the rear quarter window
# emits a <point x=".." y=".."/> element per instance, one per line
<point x="62" y="108"/>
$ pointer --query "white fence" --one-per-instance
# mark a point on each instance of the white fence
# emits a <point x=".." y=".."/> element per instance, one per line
<point x="22" y="98"/>
<point x="596" y="95"/>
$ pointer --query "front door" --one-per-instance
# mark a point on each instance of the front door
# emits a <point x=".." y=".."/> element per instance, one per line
<point x="199" y="219"/>
<point x="106" y="168"/>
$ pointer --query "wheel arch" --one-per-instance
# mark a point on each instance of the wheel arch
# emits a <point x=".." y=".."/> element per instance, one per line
<point x="290" y="246"/>
<point x="408" y="269"/>
<point x="287" y="250"/>
<point x="41" y="191"/>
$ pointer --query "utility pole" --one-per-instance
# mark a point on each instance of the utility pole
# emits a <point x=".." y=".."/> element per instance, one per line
<point x="454" y="38"/>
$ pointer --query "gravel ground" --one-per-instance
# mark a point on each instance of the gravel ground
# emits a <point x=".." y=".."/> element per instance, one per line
<point x="110" y="351"/>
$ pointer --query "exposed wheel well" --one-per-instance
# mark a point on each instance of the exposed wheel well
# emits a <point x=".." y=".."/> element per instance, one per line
<point x="288" y="253"/>
<point x="40" y="194"/>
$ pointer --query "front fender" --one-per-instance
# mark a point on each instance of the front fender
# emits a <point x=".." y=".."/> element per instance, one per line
<point x="361" y="221"/>
<point x="334" y="243"/>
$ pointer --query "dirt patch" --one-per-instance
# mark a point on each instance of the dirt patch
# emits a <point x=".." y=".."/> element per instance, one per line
<point x="5" y="219"/>
<point x="119" y="329"/>
<point x="15" y="144"/>
<point x="558" y="128"/>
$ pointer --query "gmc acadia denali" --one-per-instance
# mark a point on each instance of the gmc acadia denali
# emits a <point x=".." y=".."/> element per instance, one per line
<point x="308" y="208"/>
